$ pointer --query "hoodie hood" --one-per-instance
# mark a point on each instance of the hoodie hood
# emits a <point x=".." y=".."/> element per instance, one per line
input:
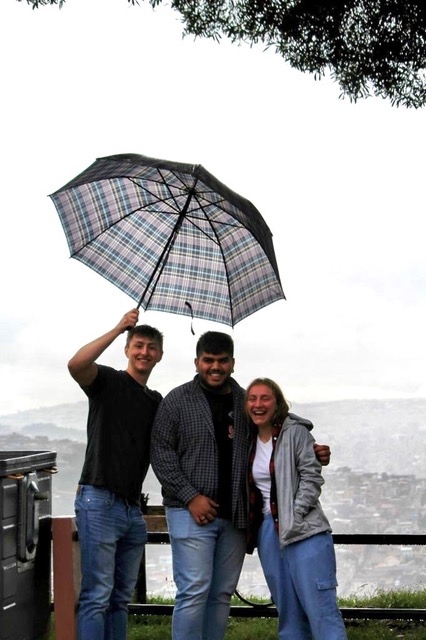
<point x="292" y="419"/>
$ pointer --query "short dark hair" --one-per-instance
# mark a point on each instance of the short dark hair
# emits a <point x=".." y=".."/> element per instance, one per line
<point x="215" y="342"/>
<point x="145" y="330"/>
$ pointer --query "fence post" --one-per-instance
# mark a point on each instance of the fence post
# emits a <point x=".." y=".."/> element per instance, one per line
<point x="66" y="576"/>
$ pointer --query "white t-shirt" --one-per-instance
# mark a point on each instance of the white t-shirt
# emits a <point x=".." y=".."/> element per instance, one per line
<point x="261" y="474"/>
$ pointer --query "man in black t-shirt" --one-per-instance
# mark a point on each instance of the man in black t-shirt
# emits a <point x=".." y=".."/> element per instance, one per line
<point x="111" y="529"/>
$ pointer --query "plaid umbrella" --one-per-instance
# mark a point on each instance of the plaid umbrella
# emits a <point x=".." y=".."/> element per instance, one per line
<point x="171" y="236"/>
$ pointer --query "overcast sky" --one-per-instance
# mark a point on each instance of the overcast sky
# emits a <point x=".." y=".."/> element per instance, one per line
<point x="340" y="185"/>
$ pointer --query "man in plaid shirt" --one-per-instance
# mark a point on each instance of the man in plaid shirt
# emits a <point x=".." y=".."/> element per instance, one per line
<point x="199" y="448"/>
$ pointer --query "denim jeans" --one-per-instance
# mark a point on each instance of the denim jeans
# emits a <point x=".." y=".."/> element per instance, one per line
<point x="302" y="581"/>
<point x="112" y="536"/>
<point x="207" y="562"/>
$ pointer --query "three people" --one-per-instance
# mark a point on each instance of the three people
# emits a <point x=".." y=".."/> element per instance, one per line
<point x="111" y="529"/>
<point x="199" y="452"/>
<point x="200" y="447"/>
<point x="286" y="520"/>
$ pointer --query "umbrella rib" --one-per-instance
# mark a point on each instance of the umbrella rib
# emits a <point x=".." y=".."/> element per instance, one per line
<point x="193" y="220"/>
<point x="184" y="185"/>
<point x="213" y="202"/>
<point x="161" y="262"/>
<point x="163" y="181"/>
<point x="163" y="199"/>
<point x="223" y="257"/>
<point x="133" y="211"/>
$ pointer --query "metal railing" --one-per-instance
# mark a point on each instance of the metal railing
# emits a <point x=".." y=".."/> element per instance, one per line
<point x="268" y="610"/>
<point x="66" y="577"/>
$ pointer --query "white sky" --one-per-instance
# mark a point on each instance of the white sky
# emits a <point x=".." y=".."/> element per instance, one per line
<point x="340" y="185"/>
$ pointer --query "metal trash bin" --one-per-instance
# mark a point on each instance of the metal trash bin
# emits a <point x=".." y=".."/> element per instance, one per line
<point x="25" y="543"/>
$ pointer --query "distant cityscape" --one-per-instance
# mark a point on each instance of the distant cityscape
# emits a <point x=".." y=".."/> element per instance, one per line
<point x="376" y="483"/>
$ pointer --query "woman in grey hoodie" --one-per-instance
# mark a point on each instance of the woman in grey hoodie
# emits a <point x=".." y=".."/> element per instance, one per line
<point x="286" y="520"/>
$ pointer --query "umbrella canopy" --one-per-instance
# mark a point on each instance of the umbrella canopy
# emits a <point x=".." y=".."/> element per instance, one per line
<point x="171" y="236"/>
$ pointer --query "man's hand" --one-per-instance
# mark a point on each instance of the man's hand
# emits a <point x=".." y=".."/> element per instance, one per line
<point x="128" y="321"/>
<point x="323" y="453"/>
<point x="202" y="509"/>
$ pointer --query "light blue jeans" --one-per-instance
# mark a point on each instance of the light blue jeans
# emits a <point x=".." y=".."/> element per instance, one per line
<point x="112" y="536"/>
<point x="302" y="581"/>
<point x="207" y="562"/>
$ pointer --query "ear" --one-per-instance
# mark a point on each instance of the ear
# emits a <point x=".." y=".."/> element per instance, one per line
<point x="196" y="364"/>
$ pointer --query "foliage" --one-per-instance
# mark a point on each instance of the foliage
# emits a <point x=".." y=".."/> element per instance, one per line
<point x="39" y="3"/>
<point x="370" y="47"/>
<point x="159" y="627"/>
<point x="398" y="599"/>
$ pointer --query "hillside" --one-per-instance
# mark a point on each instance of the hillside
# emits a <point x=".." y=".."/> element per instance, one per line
<point x="367" y="436"/>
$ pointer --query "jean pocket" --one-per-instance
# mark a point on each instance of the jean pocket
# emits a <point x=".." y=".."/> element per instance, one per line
<point x="94" y="499"/>
<point x="178" y="522"/>
<point x="322" y="585"/>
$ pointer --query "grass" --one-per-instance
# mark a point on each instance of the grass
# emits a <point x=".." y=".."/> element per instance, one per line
<point x="159" y="627"/>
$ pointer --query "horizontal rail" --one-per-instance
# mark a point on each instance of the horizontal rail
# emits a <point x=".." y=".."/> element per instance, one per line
<point x="349" y="613"/>
<point x="268" y="611"/>
<point x="379" y="538"/>
<point x="162" y="537"/>
<point x="158" y="534"/>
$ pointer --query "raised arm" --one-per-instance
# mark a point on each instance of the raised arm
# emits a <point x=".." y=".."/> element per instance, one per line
<point x="82" y="365"/>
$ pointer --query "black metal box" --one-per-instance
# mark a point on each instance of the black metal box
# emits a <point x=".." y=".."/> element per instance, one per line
<point x="25" y="543"/>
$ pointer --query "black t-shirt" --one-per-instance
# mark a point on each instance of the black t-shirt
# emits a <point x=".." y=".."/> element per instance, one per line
<point x="121" y="414"/>
<point x="221" y="406"/>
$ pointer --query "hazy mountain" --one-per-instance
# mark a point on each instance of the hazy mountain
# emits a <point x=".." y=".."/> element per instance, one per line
<point x="366" y="435"/>
<point x="63" y="416"/>
<point x="375" y="482"/>
<point x="372" y="435"/>
<point x="369" y="436"/>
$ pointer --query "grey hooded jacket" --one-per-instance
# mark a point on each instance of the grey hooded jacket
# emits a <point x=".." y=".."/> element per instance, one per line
<point x="299" y="481"/>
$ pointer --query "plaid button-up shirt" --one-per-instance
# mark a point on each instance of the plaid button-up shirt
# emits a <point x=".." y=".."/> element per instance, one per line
<point x="184" y="454"/>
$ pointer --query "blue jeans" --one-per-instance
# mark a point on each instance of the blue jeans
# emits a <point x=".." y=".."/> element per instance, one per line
<point x="302" y="581"/>
<point x="207" y="562"/>
<point x="112" y="536"/>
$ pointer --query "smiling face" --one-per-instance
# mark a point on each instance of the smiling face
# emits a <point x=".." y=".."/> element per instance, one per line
<point x="261" y="405"/>
<point x="215" y="370"/>
<point x="143" y="354"/>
